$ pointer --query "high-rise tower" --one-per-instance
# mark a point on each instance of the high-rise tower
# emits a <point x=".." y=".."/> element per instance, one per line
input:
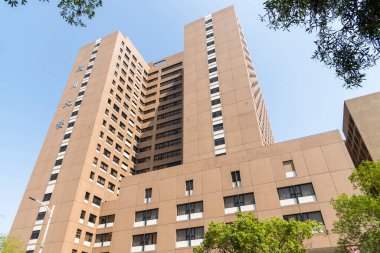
<point x="143" y="156"/>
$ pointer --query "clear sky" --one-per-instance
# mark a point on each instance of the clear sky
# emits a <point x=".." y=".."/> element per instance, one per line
<point x="37" y="50"/>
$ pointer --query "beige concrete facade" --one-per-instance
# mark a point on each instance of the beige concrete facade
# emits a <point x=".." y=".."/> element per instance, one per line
<point x="143" y="156"/>
<point x="361" y="124"/>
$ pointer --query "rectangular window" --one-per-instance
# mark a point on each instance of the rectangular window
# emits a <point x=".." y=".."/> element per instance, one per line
<point x="219" y="141"/>
<point x="101" y="180"/>
<point x="92" y="218"/>
<point x="296" y="191"/>
<point x="189" y="234"/>
<point x="74" y="114"/>
<point x="78" y="233"/>
<point x="214" y="90"/>
<point x="189" y="208"/>
<point x="210" y="43"/>
<point x="239" y="200"/>
<point x="101" y="238"/>
<point x="53" y="177"/>
<point x="209" y="35"/>
<point x="107" y="219"/>
<point x="71" y="124"/>
<point x="67" y="136"/>
<point x="289" y="169"/>
<point x="217" y="114"/>
<point x="316" y="216"/>
<point x="215" y="101"/>
<point x="144" y="239"/>
<point x="35" y="234"/>
<point x="236" y="180"/>
<point x="88" y="237"/>
<point x="87" y="196"/>
<point x="148" y="195"/>
<point x="62" y="149"/>
<point x="218" y="127"/>
<point x="82" y="214"/>
<point x="214" y="79"/>
<point x="208" y="28"/>
<point x="111" y="186"/>
<point x="41" y="215"/>
<point x="47" y="197"/>
<point x="189" y="187"/>
<point x="96" y="200"/>
<point x="151" y="214"/>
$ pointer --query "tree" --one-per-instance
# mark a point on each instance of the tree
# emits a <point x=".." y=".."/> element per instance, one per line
<point x="348" y="31"/>
<point x="247" y="234"/>
<point x="71" y="11"/>
<point x="359" y="215"/>
<point x="10" y="245"/>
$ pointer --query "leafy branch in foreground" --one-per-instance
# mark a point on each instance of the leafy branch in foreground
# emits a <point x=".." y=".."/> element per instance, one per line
<point x="248" y="234"/>
<point x="348" y="32"/>
<point x="71" y="11"/>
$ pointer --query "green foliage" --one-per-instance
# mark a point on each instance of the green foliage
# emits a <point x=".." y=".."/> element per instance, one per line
<point x="359" y="215"/>
<point x="348" y="31"/>
<point x="71" y="11"/>
<point x="247" y="234"/>
<point x="10" y="245"/>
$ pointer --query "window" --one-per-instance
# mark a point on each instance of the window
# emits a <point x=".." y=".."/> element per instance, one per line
<point x="88" y="237"/>
<point x="71" y="124"/>
<point x="92" y="218"/>
<point x="96" y="200"/>
<point x="189" y="187"/>
<point x="168" y="144"/>
<point x="92" y="175"/>
<point x="62" y="149"/>
<point x="215" y="101"/>
<point x="296" y="194"/>
<point x="211" y="51"/>
<point x="209" y="28"/>
<point x="113" y="173"/>
<point x="148" y="195"/>
<point x="170" y="123"/>
<point x="53" y="177"/>
<point x="47" y="197"/>
<point x="35" y="234"/>
<point x="239" y="201"/>
<point x="209" y="35"/>
<point x="316" y="216"/>
<point x="172" y="104"/>
<point x="219" y="141"/>
<point x="289" y="169"/>
<point x="74" y="114"/>
<point x="169" y="133"/>
<point x="144" y="239"/>
<point x="78" y="233"/>
<point x="87" y="196"/>
<point x="111" y="186"/>
<point x="106" y="153"/>
<point x="82" y="214"/>
<point x="214" y="90"/>
<point x="170" y="81"/>
<point x="190" y="208"/>
<point x="101" y="238"/>
<point x="116" y="159"/>
<point x="58" y="162"/>
<point x="208" y="21"/>
<point x="146" y="215"/>
<point x="103" y="166"/>
<point x="210" y="43"/>
<point x="217" y="114"/>
<point x="41" y="215"/>
<point x="214" y="79"/>
<point x="107" y="219"/>
<point x="189" y="234"/>
<point x="218" y="127"/>
<point x="169" y="114"/>
<point x="67" y="136"/>
<point x="167" y="155"/>
<point x="236" y="181"/>
<point x="175" y="87"/>
<point x="101" y="181"/>
<point x="212" y="60"/>
<point x="170" y="67"/>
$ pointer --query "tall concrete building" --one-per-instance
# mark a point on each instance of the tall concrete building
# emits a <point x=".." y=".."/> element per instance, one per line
<point x="143" y="156"/>
<point x="361" y="124"/>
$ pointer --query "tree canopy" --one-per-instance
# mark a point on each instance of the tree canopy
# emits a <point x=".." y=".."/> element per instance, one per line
<point x="348" y="32"/>
<point x="73" y="12"/>
<point x="247" y="234"/>
<point x="359" y="215"/>
<point x="10" y="245"/>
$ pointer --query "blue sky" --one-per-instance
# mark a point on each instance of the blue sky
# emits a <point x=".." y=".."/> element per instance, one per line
<point x="37" y="50"/>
